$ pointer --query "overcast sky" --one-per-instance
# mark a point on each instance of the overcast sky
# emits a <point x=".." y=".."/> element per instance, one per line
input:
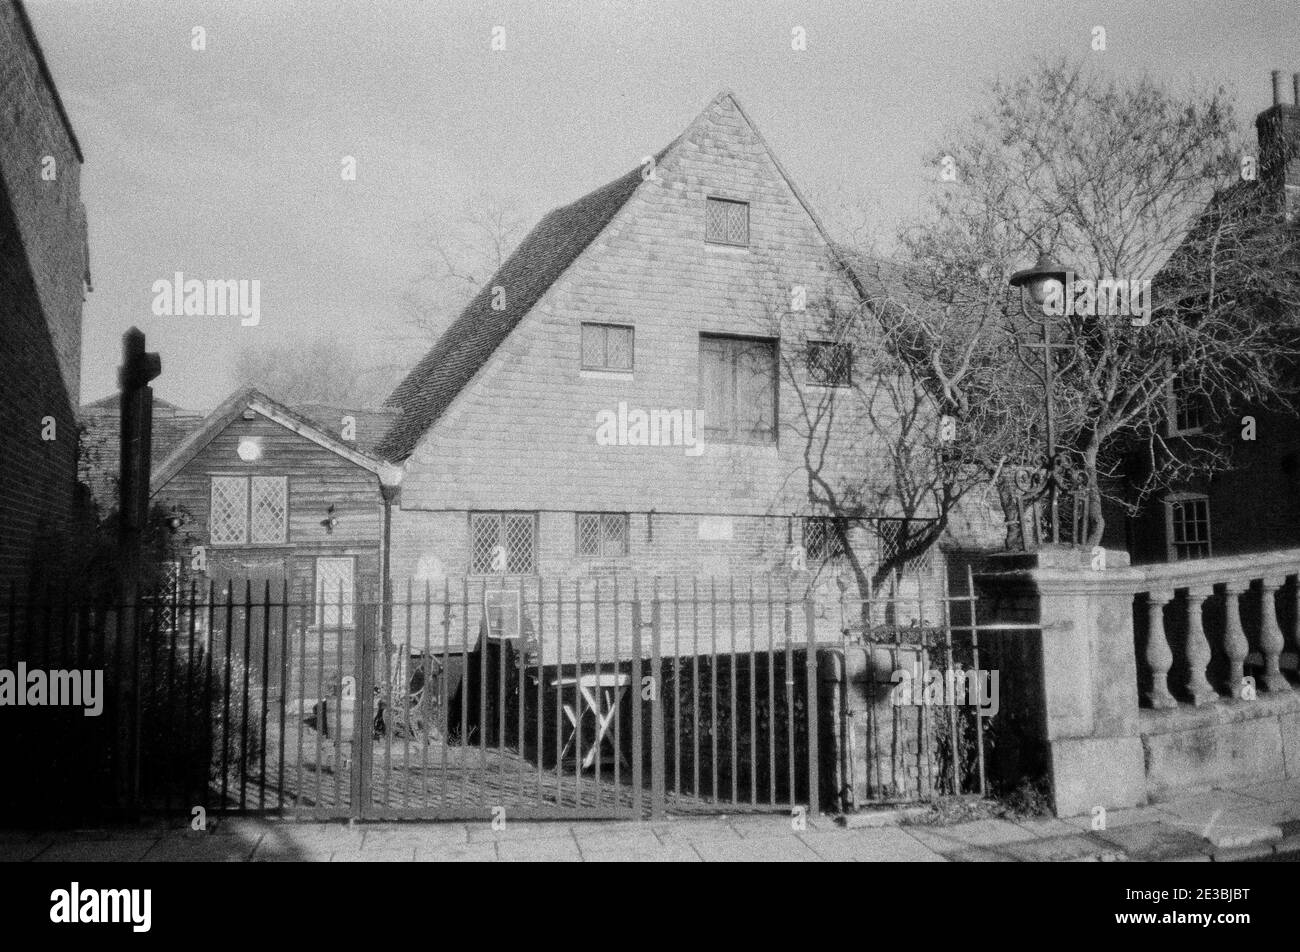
<point x="225" y="163"/>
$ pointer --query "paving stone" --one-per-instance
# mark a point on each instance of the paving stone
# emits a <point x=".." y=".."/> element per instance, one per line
<point x="547" y="850"/>
<point x="979" y="854"/>
<point x="1046" y="827"/>
<point x="1287" y="791"/>
<point x="457" y="853"/>
<point x="676" y="852"/>
<point x="416" y="836"/>
<point x="374" y="856"/>
<point x="755" y="850"/>
<point x="1115" y="819"/>
<point x="1154" y="841"/>
<point x="644" y="839"/>
<point x="21" y="852"/>
<point x="882" y="844"/>
<point x="1076" y="847"/>
<point x="96" y="851"/>
<point x="520" y="830"/>
<point x="697" y="831"/>
<point x="987" y="832"/>
<point x="207" y="849"/>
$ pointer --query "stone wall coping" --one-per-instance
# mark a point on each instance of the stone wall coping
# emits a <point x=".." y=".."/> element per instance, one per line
<point x="1057" y="573"/>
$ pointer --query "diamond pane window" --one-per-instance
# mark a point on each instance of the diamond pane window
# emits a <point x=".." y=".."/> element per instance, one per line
<point x="726" y="222"/>
<point x="228" y="523"/>
<point x="270" y="509"/>
<point x="602" y="534"/>
<point x="334" y="591"/>
<point x="503" y="543"/>
<point x="822" y="538"/>
<point x="167" y="595"/>
<point x="606" y="347"/>
<point x="830" y="364"/>
<point x="896" y="536"/>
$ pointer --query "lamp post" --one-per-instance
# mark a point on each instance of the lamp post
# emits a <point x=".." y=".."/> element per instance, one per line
<point x="1045" y="279"/>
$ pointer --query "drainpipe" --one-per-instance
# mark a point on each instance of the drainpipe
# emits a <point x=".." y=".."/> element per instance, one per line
<point x="390" y="485"/>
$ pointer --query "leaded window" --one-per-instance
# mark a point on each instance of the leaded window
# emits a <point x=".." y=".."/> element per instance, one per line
<point x="334" y="591"/>
<point x="830" y="364"/>
<point x="503" y="543"/>
<point x="726" y="222"/>
<point x="607" y="347"/>
<point x="602" y="534"/>
<point x="228" y="523"/>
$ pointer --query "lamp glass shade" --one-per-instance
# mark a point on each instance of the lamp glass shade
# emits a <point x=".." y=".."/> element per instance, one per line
<point x="249" y="450"/>
<point x="1042" y="287"/>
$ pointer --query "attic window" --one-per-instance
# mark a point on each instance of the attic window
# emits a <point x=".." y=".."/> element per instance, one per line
<point x="726" y="222"/>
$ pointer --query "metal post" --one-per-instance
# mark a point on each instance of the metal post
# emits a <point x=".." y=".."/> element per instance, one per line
<point x="136" y="421"/>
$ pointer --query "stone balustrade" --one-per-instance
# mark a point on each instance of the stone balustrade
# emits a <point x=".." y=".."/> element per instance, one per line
<point x="1219" y="617"/>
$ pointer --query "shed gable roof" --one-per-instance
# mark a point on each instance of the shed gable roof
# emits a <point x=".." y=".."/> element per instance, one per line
<point x="250" y="399"/>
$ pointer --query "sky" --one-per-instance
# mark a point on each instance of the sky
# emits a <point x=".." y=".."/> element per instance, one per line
<point x="226" y="162"/>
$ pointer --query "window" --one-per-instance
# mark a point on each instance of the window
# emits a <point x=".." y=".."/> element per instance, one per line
<point x="1186" y="408"/>
<point x="823" y="538"/>
<point x="726" y="222"/>
<point x="738" y="389"/>
<point x="606" y="347"/>
<point x="166" y="596"/>
<point x="602" y="534"/>
<point x="1187" y="527"/>
<point x="830" y="364"/>
<point x="248" y="509"/>
<point x="896" y="536"/>
<point x="334" y="591"/>
<point x="503" y="543"/>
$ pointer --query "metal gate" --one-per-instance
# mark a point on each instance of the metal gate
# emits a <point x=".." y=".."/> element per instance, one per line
<point x="483" y="700"/>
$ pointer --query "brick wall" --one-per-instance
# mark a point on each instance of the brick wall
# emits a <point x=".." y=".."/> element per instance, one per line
<point x="522" y="436"/>
<point x="42" y="267"/>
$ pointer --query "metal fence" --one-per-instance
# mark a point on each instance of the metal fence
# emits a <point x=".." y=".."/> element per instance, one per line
<point x="532" y="698"/>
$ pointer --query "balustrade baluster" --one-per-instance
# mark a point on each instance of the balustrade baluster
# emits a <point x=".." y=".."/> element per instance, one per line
<point x="1235" y="645"/>
<point x="1198" y="688"/>
<point x="1158" y="656"/>
<point x="1270" y="635"/>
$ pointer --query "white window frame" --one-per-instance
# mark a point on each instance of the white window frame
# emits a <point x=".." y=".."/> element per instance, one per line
<point x="1171" y="552"/>
<point x="1171" y="413"/>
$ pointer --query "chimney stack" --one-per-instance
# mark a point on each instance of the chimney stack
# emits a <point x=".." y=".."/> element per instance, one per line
<point x="1279" y="144"/>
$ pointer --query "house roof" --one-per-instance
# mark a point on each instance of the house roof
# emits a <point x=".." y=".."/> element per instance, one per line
<point x="539" y="261"/>
<point x="251" y="399"/>
<point x="465" y="346"/>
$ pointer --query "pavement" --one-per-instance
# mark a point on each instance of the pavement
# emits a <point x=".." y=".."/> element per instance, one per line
<point x="1260" y="821"/>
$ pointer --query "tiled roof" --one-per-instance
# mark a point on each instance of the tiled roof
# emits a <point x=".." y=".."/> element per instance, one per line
<point x="539" y="261"/>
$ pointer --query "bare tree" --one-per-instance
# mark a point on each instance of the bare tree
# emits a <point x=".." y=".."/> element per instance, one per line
<point x="324" y="370"/>
<point x="461" y="251"/>
<point x="1126" y="183"/>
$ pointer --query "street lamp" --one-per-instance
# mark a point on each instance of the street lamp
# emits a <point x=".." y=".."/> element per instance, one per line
<point x="1045" y="279"/>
